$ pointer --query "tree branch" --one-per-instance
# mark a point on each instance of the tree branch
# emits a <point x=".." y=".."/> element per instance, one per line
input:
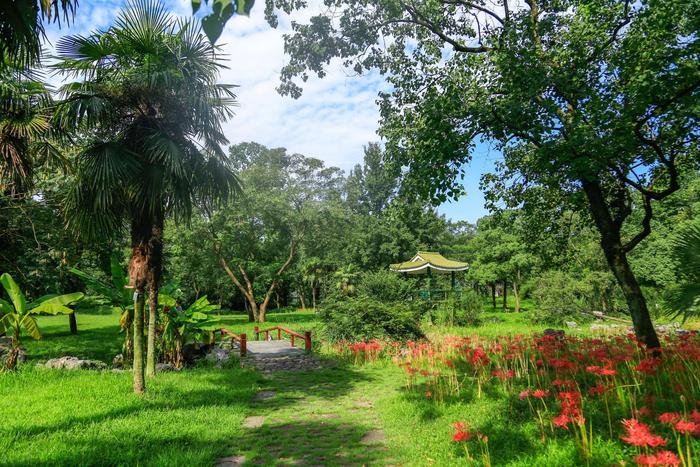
<point x="646" y="227"/>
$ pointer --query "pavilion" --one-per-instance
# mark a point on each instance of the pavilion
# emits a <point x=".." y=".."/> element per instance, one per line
<point x="425" y="262"/>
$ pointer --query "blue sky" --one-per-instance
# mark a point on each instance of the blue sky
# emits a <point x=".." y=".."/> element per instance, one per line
<point x="332" y="120"/>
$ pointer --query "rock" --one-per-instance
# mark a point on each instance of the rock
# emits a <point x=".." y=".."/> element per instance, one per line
<point x="165" y="367"/>
<point x="373" y="437"/>
<point x="218" y="357"/>
<point x="193" y="352"/>
<point x="253" y="422"/>
<point x="74" y="363"/>
<point x="118" y="362"/>
<point x="571" y="324"/>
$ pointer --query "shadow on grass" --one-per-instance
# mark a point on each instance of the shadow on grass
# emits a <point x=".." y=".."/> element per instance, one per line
<point x="310" y="442"/>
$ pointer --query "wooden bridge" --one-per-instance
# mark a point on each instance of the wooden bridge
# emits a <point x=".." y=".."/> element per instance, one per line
<point x="269" y="345"/>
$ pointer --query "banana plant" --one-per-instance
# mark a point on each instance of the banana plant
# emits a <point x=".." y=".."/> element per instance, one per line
<point x="181" y="326"/>
<point x="118" y="296"/>
<point x="17" y="314"/>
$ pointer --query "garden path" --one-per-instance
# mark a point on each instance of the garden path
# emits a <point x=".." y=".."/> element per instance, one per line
<point x="310" y="417"/>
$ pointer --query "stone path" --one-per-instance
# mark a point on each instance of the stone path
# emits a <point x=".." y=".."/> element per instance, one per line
<point x="278" y="355"/>
<point x="314" y="420"/>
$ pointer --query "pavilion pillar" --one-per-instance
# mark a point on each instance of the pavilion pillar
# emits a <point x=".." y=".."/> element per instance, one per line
<point x="430" y="283"/>
<point x="453" y="280"/>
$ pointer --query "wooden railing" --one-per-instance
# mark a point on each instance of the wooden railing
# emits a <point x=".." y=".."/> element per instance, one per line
<point x="292" y="335"/>
<point x="242" y="340"/>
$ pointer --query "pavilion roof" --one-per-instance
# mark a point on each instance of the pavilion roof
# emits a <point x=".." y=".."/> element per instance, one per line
<point x="424" y="260"/>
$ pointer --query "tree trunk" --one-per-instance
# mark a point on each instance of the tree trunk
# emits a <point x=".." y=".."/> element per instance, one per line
<point x="493" y="295"/>
<point x="516" y="295"/>
<point x="301" y="298"/>
<point x="313" y="296"/>
<point x="138" y="276"/>
<point x="505" y="295"/>
<point x="155" y="272"/>
<point x="139" y="381"/>
<point x="611" y="243"/>
<point x="73" y="323"/>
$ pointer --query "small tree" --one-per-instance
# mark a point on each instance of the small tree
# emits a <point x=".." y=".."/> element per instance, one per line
<point x="18" y="314"/>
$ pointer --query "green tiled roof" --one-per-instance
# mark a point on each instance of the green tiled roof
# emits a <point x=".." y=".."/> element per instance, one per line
<point x="428" y="259"/>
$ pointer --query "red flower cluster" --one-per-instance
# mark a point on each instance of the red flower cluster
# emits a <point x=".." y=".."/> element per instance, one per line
<point x="639" y="434"/>
<point x="661" y="458"/>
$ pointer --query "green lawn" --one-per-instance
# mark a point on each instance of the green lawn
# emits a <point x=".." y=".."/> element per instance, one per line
<point x="195" y="417"/>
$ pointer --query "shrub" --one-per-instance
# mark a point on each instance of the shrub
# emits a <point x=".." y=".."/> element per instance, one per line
<point x="464" y="310"/>
<point x="559" y="299"/>
<point x="385" y="286"/>
<point x="364" y="319"/>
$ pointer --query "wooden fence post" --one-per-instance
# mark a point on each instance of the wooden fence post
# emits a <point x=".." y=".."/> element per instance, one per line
<point x="292" y="339"/>
<point x="307" y="341"/>
<point x="279" y="334"/>
<point x="256" y="332"/>
<point x="244" y="349"/>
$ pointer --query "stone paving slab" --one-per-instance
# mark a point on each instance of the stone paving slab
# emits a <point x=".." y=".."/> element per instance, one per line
<point x="233" y="461"/>
<point x="253" y="422"/>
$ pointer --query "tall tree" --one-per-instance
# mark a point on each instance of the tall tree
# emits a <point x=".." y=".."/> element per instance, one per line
<point x="150" y="102"/>
<point x="258" y="239"/>
<point x="597" y="99"/>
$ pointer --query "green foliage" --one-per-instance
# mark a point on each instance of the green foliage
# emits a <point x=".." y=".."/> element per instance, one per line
<point x="683" y="298"/>
<point x="464" y="309"/>
<point x="17" y="314"/>
<point x="362" y="319"/>
<point x="561" y="297"/>
<point x="183" y="326"/>
<point x="385" y="286"/>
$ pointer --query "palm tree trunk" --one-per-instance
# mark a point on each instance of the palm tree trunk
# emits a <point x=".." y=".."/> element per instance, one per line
<point x="155" y="269"/>
<point x="139" y="380"/>
<point x="138" y="275"/>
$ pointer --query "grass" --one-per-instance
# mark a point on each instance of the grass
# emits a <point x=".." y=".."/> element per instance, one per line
<point x="195" y="417"/>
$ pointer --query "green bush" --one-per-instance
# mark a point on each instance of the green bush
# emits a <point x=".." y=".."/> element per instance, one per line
<point x="463" y="310"/>
<point x="363" y="319"/>
<point x="385" y="286"/>
<point x="559" y="298"/>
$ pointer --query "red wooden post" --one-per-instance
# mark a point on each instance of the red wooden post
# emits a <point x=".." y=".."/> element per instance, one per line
<point x="292" y="337"/>
<point x="267" y="335"/>
<point x="307" y="341"/>
<point x="256" y="332"/>
<point x="244" y="349"/>
<point x="279" y="334"/>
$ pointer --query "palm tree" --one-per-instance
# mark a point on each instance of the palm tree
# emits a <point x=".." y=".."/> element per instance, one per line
<point x="148" y="95"/>
<point x="683" y="298"/>
<point x="27" y="133"/>
<point x="22" y="27"/>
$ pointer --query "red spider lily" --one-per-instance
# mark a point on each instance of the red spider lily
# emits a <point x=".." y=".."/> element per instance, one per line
<point x="669" y="417"/>
<point x="539" y="393"/>
<point x="562" y="421"/>
<point x="607" y="372"/>
<point x="648" y="366"/>
<point x="638" y="434"/>
<point x="596" y="390"/>
<point x="428" y="394"/>
<point x="593" y="369"/>
<point x="460" y="426"/>
<point x="664" y="458"/>
<point x="524" y="394"/>
<point x="695" y="416"/>
<point x="461" y="436"/>
<point x="685" y="426"/>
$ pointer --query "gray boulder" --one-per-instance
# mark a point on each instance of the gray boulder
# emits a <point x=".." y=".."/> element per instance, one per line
<point x="75" y="363"/>
<point x="165" y="367"/>
<point x="218" y="357"/>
